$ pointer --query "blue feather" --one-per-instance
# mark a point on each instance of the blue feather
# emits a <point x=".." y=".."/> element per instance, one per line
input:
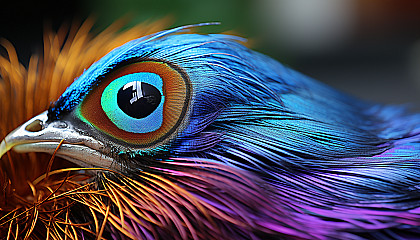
<point x="347" y="163"/>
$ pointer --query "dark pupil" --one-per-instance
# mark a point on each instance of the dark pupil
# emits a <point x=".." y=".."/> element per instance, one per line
<point x="138" y="99"/>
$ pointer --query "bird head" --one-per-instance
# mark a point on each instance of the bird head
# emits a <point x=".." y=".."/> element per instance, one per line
<point x="165" y="94"/>
<point x="196" y="136"/>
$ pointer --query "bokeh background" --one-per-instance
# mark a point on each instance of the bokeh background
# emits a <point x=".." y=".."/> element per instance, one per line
<point x="368" y="48"/>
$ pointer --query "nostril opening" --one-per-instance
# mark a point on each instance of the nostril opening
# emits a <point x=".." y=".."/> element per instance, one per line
<point x="34" y="126"/>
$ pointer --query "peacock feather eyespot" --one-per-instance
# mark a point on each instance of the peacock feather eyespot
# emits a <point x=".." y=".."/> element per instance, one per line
<point x="141" y="102"/>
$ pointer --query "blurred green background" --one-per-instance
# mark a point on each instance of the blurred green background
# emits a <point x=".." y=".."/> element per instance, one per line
<point x="234" y="14"/>
<point x="368" y="48"/>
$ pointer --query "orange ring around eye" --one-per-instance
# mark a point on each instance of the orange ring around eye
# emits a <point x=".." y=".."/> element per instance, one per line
<point x="176" y="89"/>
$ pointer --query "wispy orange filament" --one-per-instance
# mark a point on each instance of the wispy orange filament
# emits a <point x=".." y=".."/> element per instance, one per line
<point x="52" y="160"/>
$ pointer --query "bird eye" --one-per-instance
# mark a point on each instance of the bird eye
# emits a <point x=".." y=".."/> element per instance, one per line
<point x="141" y="103"/>
<point x="137" y="95"/>
<point x="134" y="102"/>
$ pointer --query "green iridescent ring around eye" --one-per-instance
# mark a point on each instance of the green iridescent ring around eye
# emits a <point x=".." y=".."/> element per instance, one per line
<point x="141" y="103"/>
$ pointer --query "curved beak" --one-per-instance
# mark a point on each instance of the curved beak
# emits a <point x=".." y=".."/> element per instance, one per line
<point x="37" y="136"/>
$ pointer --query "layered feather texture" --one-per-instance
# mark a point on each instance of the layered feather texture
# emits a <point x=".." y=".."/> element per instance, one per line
<point x="265" y="152"/>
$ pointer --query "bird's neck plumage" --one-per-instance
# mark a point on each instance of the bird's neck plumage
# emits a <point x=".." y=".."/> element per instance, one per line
<point x="265" y="151"/>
